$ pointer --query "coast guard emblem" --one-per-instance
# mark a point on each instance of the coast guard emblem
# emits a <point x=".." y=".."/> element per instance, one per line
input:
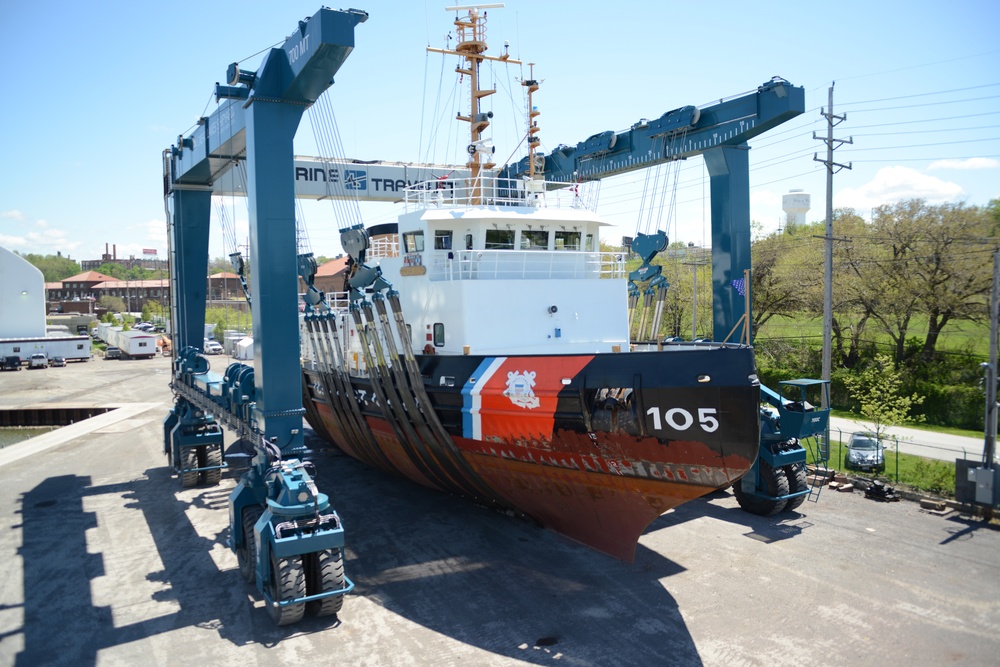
<point x="519" y="389"/>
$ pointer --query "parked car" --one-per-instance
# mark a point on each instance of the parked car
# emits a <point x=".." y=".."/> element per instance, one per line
<point x="57" y="361"/>
<point x="213" y="347"/>
<point x="12" y="363"/>
<point x="112" y="353"/>
<point x="38" y="360"/>
<point x="865" y="452"/>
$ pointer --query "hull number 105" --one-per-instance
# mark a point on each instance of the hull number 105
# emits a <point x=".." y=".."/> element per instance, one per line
<point x="680" y="419"/>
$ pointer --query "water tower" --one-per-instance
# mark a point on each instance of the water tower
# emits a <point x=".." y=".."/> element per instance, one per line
<point x="796" y="205"/>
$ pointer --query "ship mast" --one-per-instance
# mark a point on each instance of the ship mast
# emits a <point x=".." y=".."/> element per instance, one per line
<point x="471" y="45"/>
<point x="532" y="85"/>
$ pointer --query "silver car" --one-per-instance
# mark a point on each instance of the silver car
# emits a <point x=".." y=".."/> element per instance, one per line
<point x="865" y="452"/>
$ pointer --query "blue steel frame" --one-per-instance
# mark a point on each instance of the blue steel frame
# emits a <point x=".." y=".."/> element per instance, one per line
<point x="719" y="132"/>
<point x="258" y="118"/>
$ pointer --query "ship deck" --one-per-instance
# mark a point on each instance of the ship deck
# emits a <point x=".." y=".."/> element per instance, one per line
<point x="109" y="562"/>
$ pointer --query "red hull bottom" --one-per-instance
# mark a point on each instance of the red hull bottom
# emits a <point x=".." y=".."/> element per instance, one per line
<point x="605" y="511"/>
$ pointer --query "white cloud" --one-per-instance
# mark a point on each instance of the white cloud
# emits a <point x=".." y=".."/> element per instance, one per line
<point x="51" y="240"/>
<point x="764" y="199"/>
<point x="894" y="184"/>
<point x="12" y="241"/>
<point x="969" y="163"/>
<point x="156" y="234"/>
<point x="12" y="215"/>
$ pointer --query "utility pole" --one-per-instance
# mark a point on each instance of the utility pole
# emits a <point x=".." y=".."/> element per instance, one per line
<point x="991" y="369"/>
<point x="831" y="168"/>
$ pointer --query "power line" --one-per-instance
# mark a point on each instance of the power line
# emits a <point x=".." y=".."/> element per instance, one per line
<point x="928" y="104"/>
<point x="906" y="97"/>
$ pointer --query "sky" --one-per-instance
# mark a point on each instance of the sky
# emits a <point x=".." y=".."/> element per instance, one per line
<point x="95" y="92"/>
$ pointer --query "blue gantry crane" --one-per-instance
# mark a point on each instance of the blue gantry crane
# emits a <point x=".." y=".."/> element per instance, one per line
<point x="719" y="133"/>
<point x="287" y="537"/>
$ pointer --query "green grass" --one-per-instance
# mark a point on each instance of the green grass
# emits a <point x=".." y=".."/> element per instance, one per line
<point x="957" y="337"/>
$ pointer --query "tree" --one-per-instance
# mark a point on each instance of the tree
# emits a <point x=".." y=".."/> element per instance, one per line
<point x="993" y="212"/>
<point x="954" y="281"/>
<point x="882" y="259"/>
<point x="852" y="289"/>
<point x="781" y="287"/>
<point x="53" y="267"/>
<point x="116" y="271"/>
<point x="877" y="390"/>
<point x="114" y="304"/>
<point x="147" y="312"/>
<point x="915" y="258"/>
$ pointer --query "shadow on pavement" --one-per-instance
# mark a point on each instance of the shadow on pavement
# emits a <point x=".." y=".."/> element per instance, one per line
<point x="479" y="577"/>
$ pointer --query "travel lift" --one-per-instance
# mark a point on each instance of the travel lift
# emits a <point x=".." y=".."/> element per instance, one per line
<point x="287" y="537"/>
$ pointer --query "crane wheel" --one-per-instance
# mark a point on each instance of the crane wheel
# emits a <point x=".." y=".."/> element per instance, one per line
<point x="288" y="581"/>
<point x="324" y="572"/>
<point x="775" y="484"/>
<point x="797" y="482"/>
<point x="209" y="456"/>
<point x="188" y="460"/>
<point x="246" y="555"/>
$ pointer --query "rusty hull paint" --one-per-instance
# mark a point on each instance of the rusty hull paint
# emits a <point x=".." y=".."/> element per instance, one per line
<point x="583" y="487"/>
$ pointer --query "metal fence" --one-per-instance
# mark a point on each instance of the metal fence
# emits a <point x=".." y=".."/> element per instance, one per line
<point x="838" y="450"/>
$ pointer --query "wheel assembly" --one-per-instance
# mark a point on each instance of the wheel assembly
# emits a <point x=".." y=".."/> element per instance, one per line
<point x="210" y="456"/>
<point x="187" y="467"/>
<point x="775" y="483"/>
<point x="797" y="483"/>
<point x="324" y="573"/>
<point x="246" y="555"/>
<point x="288" y="582"/>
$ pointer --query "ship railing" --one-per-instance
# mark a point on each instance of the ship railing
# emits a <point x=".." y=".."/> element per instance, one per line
<point x="490" y="191"/>
<point x="676" y="344"/>
<point x="522" y="265"/>
<point x="385" y="245"/>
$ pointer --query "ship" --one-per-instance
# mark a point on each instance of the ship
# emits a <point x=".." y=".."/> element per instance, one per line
<point x="483" y="348"/>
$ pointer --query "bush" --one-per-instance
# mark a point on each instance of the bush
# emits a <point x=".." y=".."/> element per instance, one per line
<point x="958" y="406"/>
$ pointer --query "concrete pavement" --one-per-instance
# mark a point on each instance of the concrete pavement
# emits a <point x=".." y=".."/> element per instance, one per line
<point x="109" y="562"/>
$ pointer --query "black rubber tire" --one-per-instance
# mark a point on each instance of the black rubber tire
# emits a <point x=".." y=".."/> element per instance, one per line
<point x="775" y="484"/>
<point x="324" y="572"/>
<point x="188" y="460"/>
<point x="246" y="555"/>
<point x="797" y="481"/>
<point x="210" y="455"/>
<point x="288" y="581"/>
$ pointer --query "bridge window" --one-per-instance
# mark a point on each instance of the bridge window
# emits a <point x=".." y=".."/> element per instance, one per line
<point x="442" y="239"/>
<point x="567" y="240"/>
<point x="499" y="239"/>
<point x="414" y="241"/>
<point x="591" y="246"/>
<point x="534" y="239"/>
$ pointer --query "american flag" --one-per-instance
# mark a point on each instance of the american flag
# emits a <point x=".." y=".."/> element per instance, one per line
<point x="740" y="286"/>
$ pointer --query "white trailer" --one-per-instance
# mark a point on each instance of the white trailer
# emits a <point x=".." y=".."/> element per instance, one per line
<point x="70" y="348"/>
<point x="133" y="343"/>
